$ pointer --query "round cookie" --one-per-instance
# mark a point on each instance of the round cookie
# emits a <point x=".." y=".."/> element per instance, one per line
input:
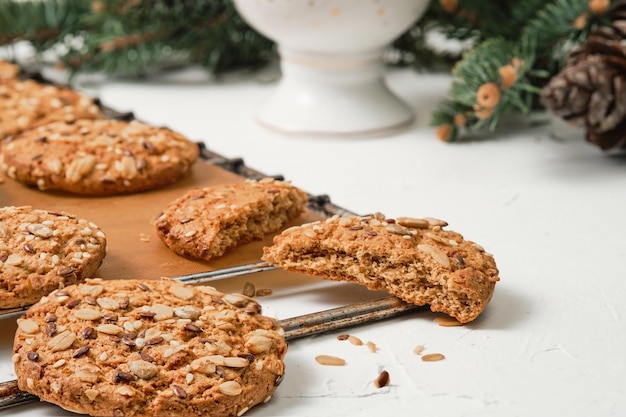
<point x="148" y="348"/>
<point x="98" y="157"/>
<point x="41" y="251"/>
<point x="25" y="104"/>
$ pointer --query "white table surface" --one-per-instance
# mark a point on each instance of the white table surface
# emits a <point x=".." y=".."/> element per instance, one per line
<point x="550" y="207"/>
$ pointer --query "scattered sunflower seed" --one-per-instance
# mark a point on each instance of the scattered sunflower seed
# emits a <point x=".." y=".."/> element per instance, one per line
<point x="330" y="360"/>
<point x="383" y="380"/>
<point x="433" y="357"/>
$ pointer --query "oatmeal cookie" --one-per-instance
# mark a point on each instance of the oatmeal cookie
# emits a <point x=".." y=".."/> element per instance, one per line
<point x="413" y="259"/>
<point x="206" y="222"/>
<point x="41" y="251"/>
<point x="98" y="157"/>
<point x="25" y="104"/>
<point x="145" y="348"/>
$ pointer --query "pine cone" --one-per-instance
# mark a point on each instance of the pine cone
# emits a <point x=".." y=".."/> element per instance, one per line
<point x="590" y="91"/>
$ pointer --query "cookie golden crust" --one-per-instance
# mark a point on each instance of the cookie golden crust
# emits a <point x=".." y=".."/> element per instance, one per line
<point x="27" y="104"/>
<point x="413" y="259"/>
<point x="8" y="71"/>
<point x="206" y="222"/>
<point x="41" y="251"/>
<point x="98" y="157"/>
<point x="148" y="348"/>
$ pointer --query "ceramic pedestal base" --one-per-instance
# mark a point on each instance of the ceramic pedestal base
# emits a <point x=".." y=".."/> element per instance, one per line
<point x="331" y="59"/>
<point x="333" y="95"/>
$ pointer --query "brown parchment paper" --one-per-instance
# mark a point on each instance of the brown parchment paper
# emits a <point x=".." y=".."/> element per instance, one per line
<point x="133" y="248"/>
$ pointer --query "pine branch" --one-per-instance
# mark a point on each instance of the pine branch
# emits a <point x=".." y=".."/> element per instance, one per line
<point x="501" y="74"/>
<point x="40" y="22"/>
<point x="133" y="37"/>
<point x="511" y="48"/>
<point x="490" y="80"/>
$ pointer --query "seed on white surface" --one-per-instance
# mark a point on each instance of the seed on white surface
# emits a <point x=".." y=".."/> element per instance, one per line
<point x="249" y="289"/>
<point x="383" y="380"/>
<point x="355" y="340"/>
<point x="418" y="349"/>
<point x="433" y="357"/>
<point x="447" y="321"/>
<point x="330" y="360"/>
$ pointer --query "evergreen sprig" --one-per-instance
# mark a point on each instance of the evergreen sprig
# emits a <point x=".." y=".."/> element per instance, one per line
<point x="509" y="49"/>
<point x="39" y="22"/>
<point x="546" y="32"/>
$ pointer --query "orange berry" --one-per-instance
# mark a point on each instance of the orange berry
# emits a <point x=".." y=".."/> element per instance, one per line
<point x="449" y="5"/>
<point x="482" y="112"/>
<point x="444" y="132"/>
<point x="580" y="22"/>
<point x="508" y="76"/>
<point x="599" y="6"/>
<point x="488" y="95"/>
<point x="460" y="119"/>
<point x="97" y="6"/>
<point x="517" y="63"/>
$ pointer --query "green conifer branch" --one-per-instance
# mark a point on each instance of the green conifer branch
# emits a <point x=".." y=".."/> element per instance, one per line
<point x="39" y="22"/>
<point x="135" y="37"/>
<point x="549" y="30"/>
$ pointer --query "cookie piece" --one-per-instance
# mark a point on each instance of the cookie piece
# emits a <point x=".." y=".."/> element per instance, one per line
<point x="98" y="157"/>
<point x="148" y="348"/>
<point x="8" y="71"/>
<point x="27" y="104"/>
<point x="413" y="259"/>
<point x="41" y="251"/>
<point x="206" y="222"/>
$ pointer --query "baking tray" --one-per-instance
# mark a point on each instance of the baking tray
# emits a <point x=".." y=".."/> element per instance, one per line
<point x="133" y="248"/>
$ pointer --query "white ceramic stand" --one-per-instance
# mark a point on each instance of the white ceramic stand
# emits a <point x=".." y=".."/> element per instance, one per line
<point x="332" y="64"/>
<point x="339" y="95"/>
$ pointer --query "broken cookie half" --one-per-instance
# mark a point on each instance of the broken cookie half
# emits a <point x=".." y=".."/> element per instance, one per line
<point x="414" y="259"/>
